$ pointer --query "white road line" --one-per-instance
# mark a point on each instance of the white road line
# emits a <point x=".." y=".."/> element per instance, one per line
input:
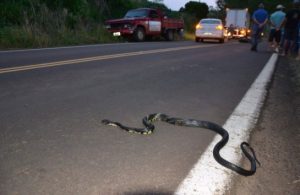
<point x="71" y="47"/>
<point x="97" y="58"/>
<point x="209" y="177"/>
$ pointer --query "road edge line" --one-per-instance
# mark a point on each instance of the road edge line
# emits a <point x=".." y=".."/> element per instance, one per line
<point x="209" y="177"/>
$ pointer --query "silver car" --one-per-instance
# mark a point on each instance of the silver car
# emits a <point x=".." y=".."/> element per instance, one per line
<point x="210" y="28"/>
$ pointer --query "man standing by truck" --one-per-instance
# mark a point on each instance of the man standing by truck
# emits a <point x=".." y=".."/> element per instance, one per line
<point x="260" y="19"/>
<point x="276" y="22"/>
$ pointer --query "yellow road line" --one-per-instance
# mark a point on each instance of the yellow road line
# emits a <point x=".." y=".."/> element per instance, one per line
<point x="97" y="58"/>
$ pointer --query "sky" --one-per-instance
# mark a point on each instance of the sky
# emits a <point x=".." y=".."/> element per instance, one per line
<point x="177" y="4"/>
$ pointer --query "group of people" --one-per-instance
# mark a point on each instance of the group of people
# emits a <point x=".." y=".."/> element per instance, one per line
<point x="284" y="29"/>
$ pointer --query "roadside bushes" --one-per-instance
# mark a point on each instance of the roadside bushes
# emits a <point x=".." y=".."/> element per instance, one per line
<point x="44" y="23"/>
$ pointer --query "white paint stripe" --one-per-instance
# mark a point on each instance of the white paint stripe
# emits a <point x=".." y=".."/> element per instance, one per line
<point x="71" y="47"/>
<point x="97" y="58"/>
<point x="209" y="177"/>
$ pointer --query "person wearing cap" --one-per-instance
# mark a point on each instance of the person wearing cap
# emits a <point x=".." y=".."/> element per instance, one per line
<point x="276" y="24"/>
<point x="291" y="28"/>
<point x="260" y="19"/>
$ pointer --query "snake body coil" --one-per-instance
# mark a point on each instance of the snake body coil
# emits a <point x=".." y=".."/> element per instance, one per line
<point x="149" y="128"/>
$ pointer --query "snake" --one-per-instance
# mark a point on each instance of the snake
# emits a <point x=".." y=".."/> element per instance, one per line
<point x="148" y="129"/>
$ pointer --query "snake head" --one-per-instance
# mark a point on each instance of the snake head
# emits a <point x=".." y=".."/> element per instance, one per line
<point x="105" y="122"/>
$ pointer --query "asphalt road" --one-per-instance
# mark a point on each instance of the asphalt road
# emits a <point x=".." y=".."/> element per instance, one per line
<point x="51" y="137"/>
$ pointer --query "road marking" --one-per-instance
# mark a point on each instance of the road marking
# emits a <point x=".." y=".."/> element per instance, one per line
<point x="209" y="177"/>
<point x="97" y="58"/>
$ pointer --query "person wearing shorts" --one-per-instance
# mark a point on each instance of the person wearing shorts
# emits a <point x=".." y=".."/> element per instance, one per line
<point x="276" y="24"/>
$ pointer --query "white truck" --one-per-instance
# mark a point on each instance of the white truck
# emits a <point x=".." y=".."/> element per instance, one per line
<point x="237" y="23"/>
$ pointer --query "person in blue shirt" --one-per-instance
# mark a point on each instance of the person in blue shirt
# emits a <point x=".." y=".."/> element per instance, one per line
<point x="260" y="19"/>
<point x="276" y="24"/>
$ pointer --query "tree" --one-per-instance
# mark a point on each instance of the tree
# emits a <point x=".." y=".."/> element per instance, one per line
<point x="158" y="1"/>
<point x="252" y="5"/>
<point x="221" y="9"/>
<point x="197" y="9"/>
<point x="220" y="4"/>
<point x="193" y="12"/>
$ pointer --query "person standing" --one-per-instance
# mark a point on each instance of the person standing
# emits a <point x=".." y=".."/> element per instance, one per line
<point x="291" y="30"/>
<point x="298" y="44"/>
<point x="260" y="19"/>
<point x="276" y="21"/>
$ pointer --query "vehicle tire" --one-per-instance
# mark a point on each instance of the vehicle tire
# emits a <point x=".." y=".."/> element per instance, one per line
<point x="221" y="40"/>
<point x="139" y="34"/>
<point x="170" y="35"/>
<point x="197" y="39"/>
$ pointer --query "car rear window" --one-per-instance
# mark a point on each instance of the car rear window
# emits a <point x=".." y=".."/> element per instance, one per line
<point x="210" y="22"/>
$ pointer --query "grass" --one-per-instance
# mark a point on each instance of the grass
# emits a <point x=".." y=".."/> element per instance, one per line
<point x="34" y="37"/>
<point x="189" y="36"/>
<point x="47" y="28"/>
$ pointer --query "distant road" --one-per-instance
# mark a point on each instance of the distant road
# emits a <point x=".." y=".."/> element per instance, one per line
<point x="52" y="102"/>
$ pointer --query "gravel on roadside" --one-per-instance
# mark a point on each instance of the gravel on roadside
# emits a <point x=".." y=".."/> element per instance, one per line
<point x="276" y="137"/>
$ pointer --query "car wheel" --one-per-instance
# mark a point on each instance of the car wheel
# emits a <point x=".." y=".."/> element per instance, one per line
<point x="221" y="40"/>
<point x="197" y="39"/>
<point x="139" y="34"/>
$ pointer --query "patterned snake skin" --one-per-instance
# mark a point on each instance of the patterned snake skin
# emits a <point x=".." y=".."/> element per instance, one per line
<point x="149" y="128"/>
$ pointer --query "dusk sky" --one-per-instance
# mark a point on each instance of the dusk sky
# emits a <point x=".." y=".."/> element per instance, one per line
<point x="177" y="4"/>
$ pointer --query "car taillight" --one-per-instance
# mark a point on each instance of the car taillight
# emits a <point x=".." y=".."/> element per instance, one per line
<point x="243" y="32"/>
<point x="198" y="26"/>
<point x="219" y="27"/>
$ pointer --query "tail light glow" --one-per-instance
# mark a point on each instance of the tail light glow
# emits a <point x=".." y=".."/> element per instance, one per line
<point x="219" y="27"/>
<point x="198" y="26"/>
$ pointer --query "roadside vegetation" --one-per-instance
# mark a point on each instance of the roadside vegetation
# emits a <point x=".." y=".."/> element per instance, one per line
<point x="48" y="23"/>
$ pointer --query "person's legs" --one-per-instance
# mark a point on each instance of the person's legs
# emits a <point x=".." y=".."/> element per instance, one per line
<point x="255" y="37"/>
<point x="297" y="40"/>
<point x="277" y="36"/>
<point x="287" y="40"/>
<point x="286" y="46"/>
<point x="290" y="39"/>
<point x="271" y="38"/>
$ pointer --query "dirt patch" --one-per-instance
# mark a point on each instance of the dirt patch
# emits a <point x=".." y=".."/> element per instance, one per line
<point x="277" y="136"/>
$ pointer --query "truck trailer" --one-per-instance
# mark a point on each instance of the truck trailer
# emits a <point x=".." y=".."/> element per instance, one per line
<point x="237" y="23"/>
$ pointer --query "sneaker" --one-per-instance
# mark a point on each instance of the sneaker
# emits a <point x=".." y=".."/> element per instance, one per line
<point x="276" y="50"/>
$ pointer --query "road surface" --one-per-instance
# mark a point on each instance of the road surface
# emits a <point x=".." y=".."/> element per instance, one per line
<point x="52" y="102"/>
